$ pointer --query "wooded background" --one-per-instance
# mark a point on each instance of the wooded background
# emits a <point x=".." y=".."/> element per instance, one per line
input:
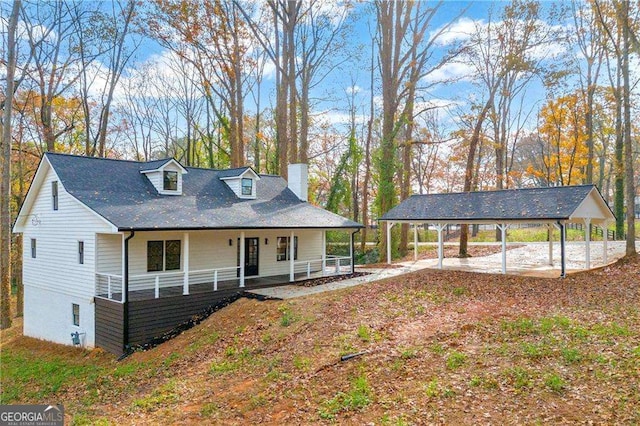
<point x="240" y="83"/>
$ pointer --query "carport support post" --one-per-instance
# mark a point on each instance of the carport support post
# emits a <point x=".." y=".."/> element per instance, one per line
<point x="605" y="237"/>
<point x="563" y="239"/>
<point x="415" y="242"/>
<point x="389" y="226"/>
<point x="587" y="243"/>
<point x="503" y="229"/>
<point x="550" y="227"/>
<point x="292" y="259"/>
<point x="241" y="250"/>
<point x="439" y="227"/>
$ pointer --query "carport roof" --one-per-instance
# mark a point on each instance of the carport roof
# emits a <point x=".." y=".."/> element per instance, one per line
<point x="562" y="203"/>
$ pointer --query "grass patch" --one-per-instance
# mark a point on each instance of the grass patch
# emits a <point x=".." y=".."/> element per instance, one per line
<point x="571" y="355"/>
<point x="356" y="398"/>
<point x="163" y="395"/>
<point x="554" y="382"/>
<point x="29" y="378"/>
<point x="301" y="363"/>
<point x="364" y="333"/>
<point x="459" y="291"/>
<point x="519" y="377"/>
<point x="288" y="317"/>
<point x="455" y="360"/>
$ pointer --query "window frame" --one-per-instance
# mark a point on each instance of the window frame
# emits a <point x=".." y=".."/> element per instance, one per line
<point x="81" y="252"/>
<point x="287" y="254"/>
<point x="34" y="248"/>
<point x="243" y="187"/>
<point x="167" y="183"/>
<point x="75" y="314"/>
<point x="54" y="195"/>
<point x="163" y="260"/>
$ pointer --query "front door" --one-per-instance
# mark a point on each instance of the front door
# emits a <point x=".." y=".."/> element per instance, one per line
<point x="250" y="257"/>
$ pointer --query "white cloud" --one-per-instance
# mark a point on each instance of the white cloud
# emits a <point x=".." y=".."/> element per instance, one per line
<point x="451" y="71"/>
<point x="459" y="31"/>
<point x="352" y="90"/>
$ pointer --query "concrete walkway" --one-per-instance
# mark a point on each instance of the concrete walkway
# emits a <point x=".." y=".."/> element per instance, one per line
<point x="530" y="260"/>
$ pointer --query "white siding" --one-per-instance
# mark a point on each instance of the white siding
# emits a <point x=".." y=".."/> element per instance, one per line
<point x="48" y="315"/>
<point x="56" y="267"/>
<point x="109" y="257"/>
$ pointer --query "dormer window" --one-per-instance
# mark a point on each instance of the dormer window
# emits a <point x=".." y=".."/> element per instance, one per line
<point x="165" y="175"/>
<point x="247" y="186"/>
<point x="242" y="181"/>
<point x="170" y="181"/>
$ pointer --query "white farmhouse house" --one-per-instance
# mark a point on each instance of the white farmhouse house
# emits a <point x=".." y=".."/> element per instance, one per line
<point x="118" y="252"/>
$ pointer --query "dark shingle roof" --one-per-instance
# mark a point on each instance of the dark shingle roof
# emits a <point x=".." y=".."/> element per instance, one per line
<point x="232" y="172"/>
<point x="553" y="203"/>
<point x="117" y="191"/>
<point x="154" y="165"/>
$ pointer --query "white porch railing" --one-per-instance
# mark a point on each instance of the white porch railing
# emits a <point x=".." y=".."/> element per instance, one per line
<point x="206" y="276"/>
<point x="332" y="265"/>
<point x="109" y="286"/>
<point x="337" y="265"/>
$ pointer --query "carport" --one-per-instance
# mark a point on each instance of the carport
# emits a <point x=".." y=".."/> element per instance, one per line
<point x="552" y="206"/>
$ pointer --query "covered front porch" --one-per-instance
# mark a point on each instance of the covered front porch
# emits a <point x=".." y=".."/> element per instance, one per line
<point x="155" y="264"/>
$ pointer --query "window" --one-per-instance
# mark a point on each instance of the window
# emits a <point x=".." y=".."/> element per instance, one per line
<point x="282" y="249"/>
<point x="163" y="255"/>
<point x="81" y="252"/>
<point x="247" y="186"/>
<point x="172" y="258"/>
<point x="75" y="312"/>
<point x="33" y="248"/>
<point x="54" y="194"/>
<point x="170" y="181"/>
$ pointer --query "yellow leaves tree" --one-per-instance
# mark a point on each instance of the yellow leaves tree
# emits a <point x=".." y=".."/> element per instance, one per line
<point x="563" y="138"/>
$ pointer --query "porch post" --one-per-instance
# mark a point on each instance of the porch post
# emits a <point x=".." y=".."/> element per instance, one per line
<point x="324" y="251"/>
<point x="550" y="229"/>
<point x="605" y="238"/>
<point x="124" y="296"/>
<point x="415" y="242"/>
<point x="587" y="242"/>
<point x="292" y="257"/>
<point x="241" y="249"/>
<point x="389" y="226"/>
<point x="185" y="284"/>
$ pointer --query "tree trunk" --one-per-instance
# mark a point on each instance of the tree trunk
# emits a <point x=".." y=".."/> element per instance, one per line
<point x="468" y="177"/>
<point x="628" y="142"/>
<point x="367" y="157"/>
<point x="5" y="174"/>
